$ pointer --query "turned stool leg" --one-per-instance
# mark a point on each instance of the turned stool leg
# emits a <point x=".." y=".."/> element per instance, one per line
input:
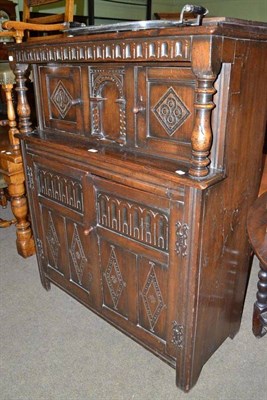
<point x="15" y="179"/>
<point x="19" y="206"/>
<point x="260" y="307"/>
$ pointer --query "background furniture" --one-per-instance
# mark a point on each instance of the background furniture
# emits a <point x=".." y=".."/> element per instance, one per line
<point x="141" y="172"/>
<point x="257" y="231"/>
<point x="11" y="165"/>
<point x="43" y="24"/>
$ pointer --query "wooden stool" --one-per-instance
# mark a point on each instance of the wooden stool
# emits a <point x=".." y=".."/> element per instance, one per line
<point x="257" y="231"/>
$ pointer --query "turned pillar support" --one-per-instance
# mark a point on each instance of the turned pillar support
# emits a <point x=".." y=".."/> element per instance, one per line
<point x="21" y="72"/>
<point x="206" y="71"/>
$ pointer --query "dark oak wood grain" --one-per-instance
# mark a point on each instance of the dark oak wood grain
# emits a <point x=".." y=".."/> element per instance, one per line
<point x="146" y="159"/>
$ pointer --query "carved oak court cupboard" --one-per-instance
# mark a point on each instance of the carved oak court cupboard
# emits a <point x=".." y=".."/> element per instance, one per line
<point x="146" y="158"/>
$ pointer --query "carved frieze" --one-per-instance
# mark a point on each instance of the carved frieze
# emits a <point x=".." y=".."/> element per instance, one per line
<point x="152" y="297"/>
<point x="61" y="189"/>
<point x="133" y="220"/>
<point x="139" y="49"/>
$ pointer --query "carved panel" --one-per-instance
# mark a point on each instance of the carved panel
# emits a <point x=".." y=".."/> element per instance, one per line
<point x="182" y="235"/>
<point x="61" y="189"/>
<point x="77" y="254"/>
<point x="52" y="240"/>
<point x="152" y="297"/>
<point x="62" y="99"/>
<point x="133" y="220"/>
<point x="106" y="91"/>
<point x="171" y="111"/>
<point x="114" y="278"/>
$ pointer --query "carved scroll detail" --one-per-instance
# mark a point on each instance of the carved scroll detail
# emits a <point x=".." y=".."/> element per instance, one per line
<point x="177" y="334"/>
<point x="30" y="179"/>
<point x="133" y="220"/>
<point x="40" y="249"/>
<point x="181" y="243"/>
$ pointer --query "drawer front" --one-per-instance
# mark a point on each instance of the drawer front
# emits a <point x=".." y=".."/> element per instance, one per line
<point x="166" y="117"/>
<point x="63" y="97"/>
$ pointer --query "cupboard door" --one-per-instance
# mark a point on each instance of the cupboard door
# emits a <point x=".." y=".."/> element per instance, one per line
<point x="110" y="102"/>
<point x="165" y="110"/>
<point x="133" y="226"/>
<point x="63" y="100"/>
<point x="64" y="214"/>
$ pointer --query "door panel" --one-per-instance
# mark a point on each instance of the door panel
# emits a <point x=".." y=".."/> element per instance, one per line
<point x="165" y="100"/>
<point x="64" y="104"/>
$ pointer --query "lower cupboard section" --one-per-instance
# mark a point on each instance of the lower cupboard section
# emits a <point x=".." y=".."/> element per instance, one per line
<point x="129" y="290"/>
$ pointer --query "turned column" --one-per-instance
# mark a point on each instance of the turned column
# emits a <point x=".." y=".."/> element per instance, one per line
<point x="205" y="65"/>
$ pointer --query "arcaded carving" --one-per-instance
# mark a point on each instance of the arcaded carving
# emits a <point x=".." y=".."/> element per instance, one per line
<point x="60" y="188"/>
<point x="99" y="80"/>
<point x="133" y="220"/>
